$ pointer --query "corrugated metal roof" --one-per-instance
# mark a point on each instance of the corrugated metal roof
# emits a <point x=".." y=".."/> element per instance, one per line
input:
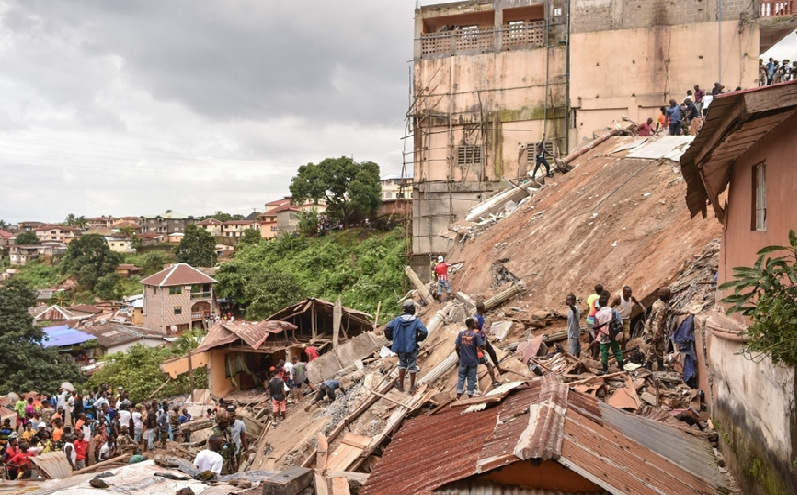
<point x="53" y="464"/>
<point x="542" y="437"/>
<point x="486" y="488"/>
<point x="429" y="452"/>
<point x="178" y="274"/>
<point x="57" y="313"/>
<point x="253" y="333"/>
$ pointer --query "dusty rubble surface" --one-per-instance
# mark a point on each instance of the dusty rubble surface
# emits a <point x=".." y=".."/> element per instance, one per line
<point x="612" y="220"/>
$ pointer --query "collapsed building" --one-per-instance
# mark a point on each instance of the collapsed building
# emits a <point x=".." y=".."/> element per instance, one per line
<point x="492" y="79"/>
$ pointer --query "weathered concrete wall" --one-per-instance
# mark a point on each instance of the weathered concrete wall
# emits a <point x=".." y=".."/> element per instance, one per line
<point x="635" y="71"/>
<point x="754" y="412"/>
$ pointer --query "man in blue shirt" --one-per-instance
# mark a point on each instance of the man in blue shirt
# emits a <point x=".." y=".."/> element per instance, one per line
<point x="468" y="346"/>
<point x="406" y="331"/>
<point x="674" y="114"/>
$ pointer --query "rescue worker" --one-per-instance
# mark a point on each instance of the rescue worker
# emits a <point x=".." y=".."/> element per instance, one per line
<point x="657" y="328"/>
<point x="406" y="331"/>
<point x="223" y="430"/>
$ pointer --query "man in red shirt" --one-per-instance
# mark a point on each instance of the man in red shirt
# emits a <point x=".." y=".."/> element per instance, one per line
<point x="443" y="284"/>
<point x="81" y="446"/>
<point x="646" y="128"/>
<point x="312" y="352"/>
<point x="21" y="462"/>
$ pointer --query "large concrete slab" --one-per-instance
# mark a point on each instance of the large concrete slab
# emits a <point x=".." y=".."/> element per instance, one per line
<point x="290" y="482"/>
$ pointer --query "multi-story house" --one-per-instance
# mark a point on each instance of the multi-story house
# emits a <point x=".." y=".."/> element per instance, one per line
<point x="166" y="223"/>
<point x="211" y="225"/>
<point x="177" y="298"/>
<point x="268" y="224"/>
<point x="494" y="78"/>
<point x="99" y="223"/>
<point x="120" y="244"/>
<point x="28" y="226"/>
<point x="236" y="228"/>
<point x="394" y="186"/>
<point x="59" y="233"/>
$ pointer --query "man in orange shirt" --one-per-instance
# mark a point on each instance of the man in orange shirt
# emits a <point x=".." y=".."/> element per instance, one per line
<point x="58" y="430"/>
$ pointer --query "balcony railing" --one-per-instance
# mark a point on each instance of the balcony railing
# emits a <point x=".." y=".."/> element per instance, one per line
<point x="200" y="295"/>
<point x="777" y="8"/>
<point x="474" y="40"/>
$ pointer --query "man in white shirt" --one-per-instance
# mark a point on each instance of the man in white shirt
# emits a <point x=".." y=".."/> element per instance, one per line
<point x="138" y="423"/>
<point x="238" y="434"/>
<point x="124" y="416"/>
<point x="210" y="459"/>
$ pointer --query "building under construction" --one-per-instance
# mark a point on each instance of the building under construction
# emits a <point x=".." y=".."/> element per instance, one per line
<point x="493" y="79"/>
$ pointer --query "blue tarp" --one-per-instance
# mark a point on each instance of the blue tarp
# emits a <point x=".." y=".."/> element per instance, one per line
<point x="684" y="337"/>
<point x="61" y="336"/>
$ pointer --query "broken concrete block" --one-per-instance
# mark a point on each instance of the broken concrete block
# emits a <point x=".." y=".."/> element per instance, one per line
<point x="465" y="299"/>
<point x="457" y="314"/>
<point x="290" y="482"/>
<point x="540" y="315"/>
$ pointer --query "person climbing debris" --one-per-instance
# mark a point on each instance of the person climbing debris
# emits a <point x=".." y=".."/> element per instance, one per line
<point x="468" y="344"/>
<point x="406" y="331"/>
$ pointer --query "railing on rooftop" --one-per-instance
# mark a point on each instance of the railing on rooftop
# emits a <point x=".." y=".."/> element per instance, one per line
<point x="200" y="295"/>
<point x="777" y="8"/>
<point x="475" y="40"/>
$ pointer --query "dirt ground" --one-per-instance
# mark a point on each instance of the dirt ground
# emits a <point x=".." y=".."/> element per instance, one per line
<point x="612" y="220"/>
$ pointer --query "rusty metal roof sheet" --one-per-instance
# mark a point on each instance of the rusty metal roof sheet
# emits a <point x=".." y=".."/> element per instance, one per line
<point x="178" y="274"/>
<point x="487" y="488"/>
<point x="54" y="465"/>
<point x="254" y="333"/>
<point x="542" y="437"/>
<point x="429" y="452"/>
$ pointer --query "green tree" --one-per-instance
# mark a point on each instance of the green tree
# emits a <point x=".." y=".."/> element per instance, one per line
<point x="222" y="216"/>
<point x="136" y="243"/>
<point x="766" y="293"/>
<point x="153" y="262"/>
<point x="61" y="298"/>
<point x="88" y="258"/>
<point x="27" y="365"/>
<point x="349" y="187"/>
<point x="24" y="238"/>
<point x="270" y="291"/>
<point x="198" y="247"/>
<point x="107" y="287"/>
<point x="127" y="231"/>
<point x="251" y="237"/>
<point x="138" y="371"/>
<point x="3" y="224"/>
<point x="308" y="222"/>
<point x="74" y="221"/>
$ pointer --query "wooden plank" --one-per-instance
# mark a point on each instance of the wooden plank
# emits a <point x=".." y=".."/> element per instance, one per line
<point x="337" y="314"/>
<point x="343" y="457"/>
<point x="321" y="484"/>
<point x="321" y="452"/>
<point x="422" y="290"/>
<point x="340" y="486"/>
<point x="355" y="440"/>
<point x="483" y="399"/>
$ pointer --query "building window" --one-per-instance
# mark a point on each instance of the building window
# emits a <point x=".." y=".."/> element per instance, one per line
<point x="469" y="155"/>
<point x="178" y="311"/>
<point x="759" y="216"/>
<point x="176" y="290"/>
<point x="273" y="228"/>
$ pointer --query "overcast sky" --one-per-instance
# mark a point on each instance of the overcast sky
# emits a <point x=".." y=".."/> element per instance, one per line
<point x="132" y="108"/>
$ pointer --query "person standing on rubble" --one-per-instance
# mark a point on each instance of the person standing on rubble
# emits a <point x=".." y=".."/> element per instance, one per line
<point x="163" y="427"/>
<point x="491" y="358"/>
<point x="222" y="429"/>
<point x="573" y="328"/>
<point x="626" y="302"/>
<point x="406" y="331"/>
<point x="443" y="283"/>
<point x="674" y="116"/>
<point x="592" y="308"/>
<point x="279" y="403"/>
<point x="540" y="160"/>
<point x="239" y="438"/>
<point x="468" y="344"/>
<point x="608" y="326"/>
<point x="656" y="327"/>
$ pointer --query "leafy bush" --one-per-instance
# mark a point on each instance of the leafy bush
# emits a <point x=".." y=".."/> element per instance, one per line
<point x="138" y="369"/>
<point x="39" y="275"/>
<point x="767" y="294"/>
<point x="363" y="272"/>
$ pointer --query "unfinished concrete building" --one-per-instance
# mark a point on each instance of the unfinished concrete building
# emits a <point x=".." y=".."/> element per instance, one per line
<point x="492" y="79"/>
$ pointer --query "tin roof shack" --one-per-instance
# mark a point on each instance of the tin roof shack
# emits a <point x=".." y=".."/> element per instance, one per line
<point x="112" y="338"/>
<point x="238" y="354"/>
<point x="316" y="321"/>
<point x="543" y="436"/>
<point x="742" y="162"/>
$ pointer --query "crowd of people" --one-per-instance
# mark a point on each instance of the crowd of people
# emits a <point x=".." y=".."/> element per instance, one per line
<point x="101" y="425"/>
<point x="774" y="72"/>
